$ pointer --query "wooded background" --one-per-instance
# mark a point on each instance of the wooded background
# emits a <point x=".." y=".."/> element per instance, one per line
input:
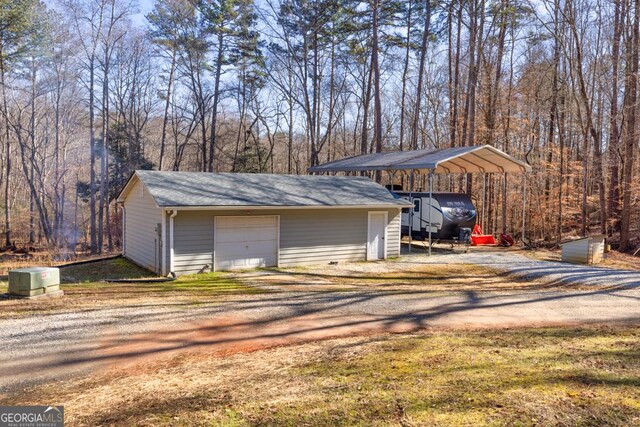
<point x="94" y="89"/>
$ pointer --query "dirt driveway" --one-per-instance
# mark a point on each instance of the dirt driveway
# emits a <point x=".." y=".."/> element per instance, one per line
<point x="303" y="305"/>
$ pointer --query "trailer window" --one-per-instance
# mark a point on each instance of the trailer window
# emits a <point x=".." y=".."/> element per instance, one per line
<point x="416" y="205"/>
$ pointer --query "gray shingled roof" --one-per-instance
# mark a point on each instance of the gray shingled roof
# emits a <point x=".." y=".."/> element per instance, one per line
<point x="479" y="158"/>
<point x="171" y="189"/>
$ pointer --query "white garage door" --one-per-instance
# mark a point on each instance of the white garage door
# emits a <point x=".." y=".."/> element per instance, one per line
<point x="245" y="242"/>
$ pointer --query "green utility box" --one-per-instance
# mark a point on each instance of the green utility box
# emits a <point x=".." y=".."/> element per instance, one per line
<point x="29" y="282"/>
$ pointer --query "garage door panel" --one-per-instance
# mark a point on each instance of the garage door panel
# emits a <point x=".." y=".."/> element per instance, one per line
<point x="246" y="242"/>
<point x="231" y="238"/>
<point x="236" y="234"/>
<point x="243" y="222"/>
<point x="250" y="249"/>
<point x="264" y="234"/>
<point x="230" y="251"/>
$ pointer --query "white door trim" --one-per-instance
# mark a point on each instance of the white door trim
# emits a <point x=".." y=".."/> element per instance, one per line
<point x="215" y="227"/>
<point x="386" y="224"/>
<point x="277" y="241"/>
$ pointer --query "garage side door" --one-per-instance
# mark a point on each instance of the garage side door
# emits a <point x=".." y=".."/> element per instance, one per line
<point x="245" y="242"/>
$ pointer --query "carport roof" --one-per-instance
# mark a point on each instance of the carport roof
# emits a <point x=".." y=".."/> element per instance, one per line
<point x="202" y="189"/>
<point x="482" y="158"/>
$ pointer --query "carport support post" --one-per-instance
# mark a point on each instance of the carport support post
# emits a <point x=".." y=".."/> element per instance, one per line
<point x="524" y="208"/>
<point x="411" y="209"/>
<point x="430" y="197"/>
<point x="484" y="199"/>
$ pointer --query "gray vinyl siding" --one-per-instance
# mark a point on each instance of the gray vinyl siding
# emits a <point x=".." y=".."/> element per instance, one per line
<point x="321" y="236"/>
<point x="192" y="242"/>
<point x="307" y="236"/>
<point x="142" y="240"/>
<point x="393" y="234"/>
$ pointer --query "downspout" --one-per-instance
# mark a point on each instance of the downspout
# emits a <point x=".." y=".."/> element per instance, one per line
<point x="124" y="231"/>
<point x="171" y="233"/>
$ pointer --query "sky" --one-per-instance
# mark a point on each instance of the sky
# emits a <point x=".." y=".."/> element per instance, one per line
<point x="144" y="7"/>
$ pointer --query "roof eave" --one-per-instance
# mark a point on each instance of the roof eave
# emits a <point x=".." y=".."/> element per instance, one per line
<point x="398" y="205"/>
<point x="415" y="164"/>
<point x="122" y="195"/>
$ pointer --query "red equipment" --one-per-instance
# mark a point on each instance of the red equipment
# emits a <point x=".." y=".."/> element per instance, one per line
<point x="506" y="240"/>
<point x="479" y="239"/>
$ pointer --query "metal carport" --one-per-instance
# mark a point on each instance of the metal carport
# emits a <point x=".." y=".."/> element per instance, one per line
<point x="471" y="159"/>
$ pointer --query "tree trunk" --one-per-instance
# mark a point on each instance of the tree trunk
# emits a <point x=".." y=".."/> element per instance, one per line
<point x="423" y="55"/>
<point x="92" y="164"/>
<point x="167" y="103"/>
<point x="453" y="92"/>
<point x="552" y="113"/>
<point x="614" y="132"/>
<point x="377" y="105"/>
<point x="104" y="158"/>
<point x="32" y="135"/>
<point x="290" y="132"/>
<point x="364" y="144"/>
<point x="216" y="100"/>
<point x="7" y="183"/>
<point x="589" y="128"/>
<point x="561" y="143"/>
<point x="405" y="73"/>
<point x="475" y="47"/>
<point x="631" y="130"/>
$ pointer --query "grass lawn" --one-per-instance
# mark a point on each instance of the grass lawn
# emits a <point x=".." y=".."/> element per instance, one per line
<point x="83" y="289"/>
<point x="529" y="377"/>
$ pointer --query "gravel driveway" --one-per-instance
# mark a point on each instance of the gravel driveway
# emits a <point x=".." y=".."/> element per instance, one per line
<point x="524" y="267"/>
<point x="53" y="346"/>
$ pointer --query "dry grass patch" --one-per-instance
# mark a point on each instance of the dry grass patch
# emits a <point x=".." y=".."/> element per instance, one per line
<point x="83" y="289"/>
<point x="547" y="376"/>
<point x="390" y="276"/>
<point x="116" y="268"/>
<point x="613" y="259"/>
<point x="42" y="258"/>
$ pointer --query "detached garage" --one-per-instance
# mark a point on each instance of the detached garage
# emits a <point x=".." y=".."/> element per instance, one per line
<point x="189" y="222"/>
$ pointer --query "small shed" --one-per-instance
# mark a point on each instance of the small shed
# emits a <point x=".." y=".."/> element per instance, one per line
<point x="587" y="250"/>
<point x="187" y="222"/>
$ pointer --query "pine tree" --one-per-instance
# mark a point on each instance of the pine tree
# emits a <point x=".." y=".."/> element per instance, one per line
<point x="16" y="24"/>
